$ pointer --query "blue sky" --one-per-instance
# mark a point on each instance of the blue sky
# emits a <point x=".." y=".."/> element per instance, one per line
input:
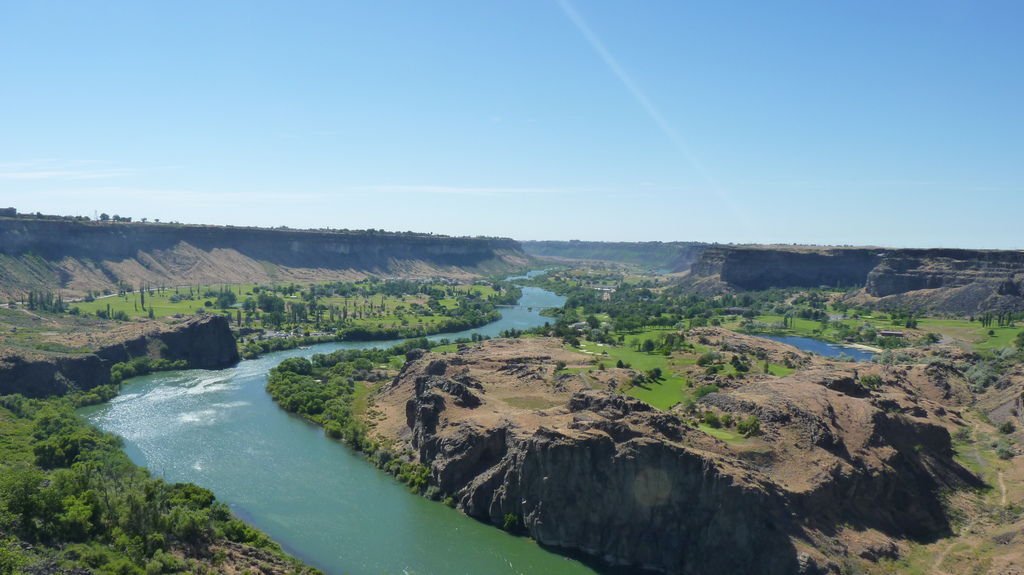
<point x="868" y="122"/>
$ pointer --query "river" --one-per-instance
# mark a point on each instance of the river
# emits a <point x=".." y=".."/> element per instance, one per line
<point x="321" y="501"/>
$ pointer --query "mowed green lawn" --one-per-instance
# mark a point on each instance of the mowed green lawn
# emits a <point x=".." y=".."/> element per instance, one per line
<point x="398" y="309"/>
<point x="161" y="303"/>
<point x="482" y="291"/>
<point x="972" y="332"/>
<point x="662" y="394"/>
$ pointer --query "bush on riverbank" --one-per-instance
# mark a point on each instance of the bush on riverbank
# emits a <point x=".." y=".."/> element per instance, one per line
<point x="143" y="366"/>
<point x="324" y="390"/>
<point x="71" y="499"/>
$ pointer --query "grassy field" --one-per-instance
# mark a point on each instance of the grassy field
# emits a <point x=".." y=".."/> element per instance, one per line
<point x="405" y="311"/>
<point x="779" y="370"/>
<point x="673" y="387"/>
<point x="160" y="302"/>
<point x="663" y="394"/>
<point x="46" y="332"/>
<point x="721" y="433"/>
<point x="971" y="332"/>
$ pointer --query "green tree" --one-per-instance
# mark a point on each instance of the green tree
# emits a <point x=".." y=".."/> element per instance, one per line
<point x="711" y="419"/>
<point x="226" y="299"/>
<point x="749" y="427"/>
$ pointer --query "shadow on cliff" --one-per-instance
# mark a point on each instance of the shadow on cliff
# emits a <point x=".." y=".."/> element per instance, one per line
<point x="903" y="502"/>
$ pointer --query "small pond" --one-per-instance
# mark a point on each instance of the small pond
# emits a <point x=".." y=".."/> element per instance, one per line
<point x="823" y="348"/>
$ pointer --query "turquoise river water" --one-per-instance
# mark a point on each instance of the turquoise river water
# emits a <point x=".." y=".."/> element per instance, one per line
<point x="321" y="501"/>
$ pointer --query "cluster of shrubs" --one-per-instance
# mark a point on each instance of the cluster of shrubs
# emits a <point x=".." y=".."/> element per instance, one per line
<point x="143" y="366"/>
<point x="75" y="493"/>
<point x="747" y="427"/>
<point x="323" y="389"/>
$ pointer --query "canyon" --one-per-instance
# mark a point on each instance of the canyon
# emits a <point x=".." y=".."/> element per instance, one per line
<point x="838" y="469"/>
<point x="954" y="281"/>
<point x="77" y="257"/>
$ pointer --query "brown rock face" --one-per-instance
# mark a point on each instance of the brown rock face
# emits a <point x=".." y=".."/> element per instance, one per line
<point x="947" y="280"/>
<point x="77" y="256"/>
<point x="204" y="342"/>
<point x="609" y="476"/>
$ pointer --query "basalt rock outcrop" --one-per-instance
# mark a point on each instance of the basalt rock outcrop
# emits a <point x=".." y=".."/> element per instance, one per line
<point x="610" y="486"/>
<point x="757" y="268"/>
<point x="81" y="256"/>
<point x="609" y="476"/>
<point x="936" y="280"/>
<point x="203" y="342"/>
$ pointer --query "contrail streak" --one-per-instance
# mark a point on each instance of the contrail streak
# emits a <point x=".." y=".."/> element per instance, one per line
<point x="680" y="144"/>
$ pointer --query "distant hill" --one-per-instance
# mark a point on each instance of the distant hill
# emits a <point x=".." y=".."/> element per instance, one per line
<point x="79" y="256"/>
<point x="671" y="256"/>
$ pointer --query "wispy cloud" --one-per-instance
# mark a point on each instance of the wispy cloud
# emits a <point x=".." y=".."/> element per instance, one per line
<point x="461" y="190"/>
<point x="35" y="170"/>
<point x="229" y="197"/>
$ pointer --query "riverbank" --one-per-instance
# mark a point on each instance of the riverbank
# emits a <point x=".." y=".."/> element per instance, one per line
<point x="865" y="347"/>
<point x="72" y="501"/>
<point x="222" y="430"/>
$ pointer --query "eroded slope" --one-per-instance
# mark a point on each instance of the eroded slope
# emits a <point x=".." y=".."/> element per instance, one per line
<point x="839" y="470"/>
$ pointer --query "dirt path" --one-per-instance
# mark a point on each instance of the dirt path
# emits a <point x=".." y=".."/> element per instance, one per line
<point x="942" y="557"/>
<point x="1002" y="489"/>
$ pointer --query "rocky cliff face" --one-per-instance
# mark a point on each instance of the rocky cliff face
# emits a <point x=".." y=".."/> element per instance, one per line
<point x="986" y="279"/>
<point x="613" y="488"/>
<point x="609" y="476"/>
<point x="204" y="342"/>
<point x="953" y="281"/>
<point x="762" y="268"/>
<point x="79" y="256"/>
